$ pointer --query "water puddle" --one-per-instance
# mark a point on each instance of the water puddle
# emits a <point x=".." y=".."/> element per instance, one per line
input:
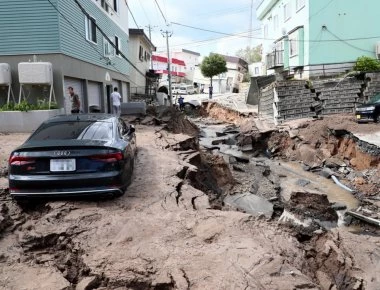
<point x="317" y="183"/>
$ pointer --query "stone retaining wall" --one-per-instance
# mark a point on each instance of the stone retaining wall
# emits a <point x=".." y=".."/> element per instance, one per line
<point x="287" y="100"/>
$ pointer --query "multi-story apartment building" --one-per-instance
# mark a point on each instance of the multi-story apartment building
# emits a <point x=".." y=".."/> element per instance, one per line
<point x="315" y="38"/>
<point x="191" y="59"/>
<point x="177" y="71"/>
<point x="228" y="82"/>
<point x="141" y="49"/>
<point x="68" y="34"/>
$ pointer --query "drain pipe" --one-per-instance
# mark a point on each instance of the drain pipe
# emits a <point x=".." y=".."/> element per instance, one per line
<point x="337" y="182"/>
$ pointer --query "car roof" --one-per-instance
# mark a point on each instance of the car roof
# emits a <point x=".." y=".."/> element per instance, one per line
<point x="81" y="117"/>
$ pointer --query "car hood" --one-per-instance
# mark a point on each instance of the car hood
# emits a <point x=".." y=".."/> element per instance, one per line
<point x="67" y="143"/>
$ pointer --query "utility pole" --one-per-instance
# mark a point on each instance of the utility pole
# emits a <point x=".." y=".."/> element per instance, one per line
<point x="168" y="34"/>
<point x="250" y="26"/>
<point x="150" y="28"/>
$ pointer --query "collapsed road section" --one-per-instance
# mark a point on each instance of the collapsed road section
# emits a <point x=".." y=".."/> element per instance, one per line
<point x="174" y="229"/>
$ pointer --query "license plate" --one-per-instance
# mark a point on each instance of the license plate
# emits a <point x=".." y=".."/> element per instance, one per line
<point x="62" y="165"/>
<point x="357" y="116"/>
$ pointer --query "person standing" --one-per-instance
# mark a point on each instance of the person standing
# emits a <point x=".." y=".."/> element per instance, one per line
<point x="210" y="92"/>
<point x="181" y="103"/>
<point x="116" y="102"/>
<point x="75" y="101"/>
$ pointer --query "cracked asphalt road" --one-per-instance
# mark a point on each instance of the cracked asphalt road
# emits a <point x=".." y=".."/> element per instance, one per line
<point x="153" y="238"/>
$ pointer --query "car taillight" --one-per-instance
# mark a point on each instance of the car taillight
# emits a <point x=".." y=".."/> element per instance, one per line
<point x="20" y="160"/>
<point x="109" y="157"/>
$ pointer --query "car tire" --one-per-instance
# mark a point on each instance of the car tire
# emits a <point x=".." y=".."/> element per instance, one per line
<point x="124" y="188"/>
<point x="377" y="118"/>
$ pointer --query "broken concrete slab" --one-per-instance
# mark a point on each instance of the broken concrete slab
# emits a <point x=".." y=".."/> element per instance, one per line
<point x="334" y="162"/>
<point x="88" y="283"/>
<point x="326" y="172"/>
<point x="250" y="203"/>
<point x="302" y="182"/>
<point x="310" y="210"/>
<point x="339" y="206"/>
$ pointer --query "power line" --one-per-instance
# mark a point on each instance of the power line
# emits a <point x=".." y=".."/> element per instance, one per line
<point x="133" y="17"/>
<point x="162" y="14"/>
<point x="273" y="39"/>
<point x="213" y="31"/>
<point x="104" y="35"/>
<point x="142" y="7"/>
<point x="238" y="35"/>
<point x="347" y="43"/>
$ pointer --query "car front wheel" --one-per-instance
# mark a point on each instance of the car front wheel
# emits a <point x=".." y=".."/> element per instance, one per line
<point x="376" y="119"/>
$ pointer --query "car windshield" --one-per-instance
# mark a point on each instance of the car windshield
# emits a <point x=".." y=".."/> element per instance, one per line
<point x="84" y="130"/>
<point x="374" y="99"/>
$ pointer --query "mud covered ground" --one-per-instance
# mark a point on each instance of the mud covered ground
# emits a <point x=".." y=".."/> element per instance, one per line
<point x="170" y="231"/>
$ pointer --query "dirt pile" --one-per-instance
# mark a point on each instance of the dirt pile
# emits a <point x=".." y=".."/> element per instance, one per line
<point x="219" y="112"/>
<point x="310" y="211"/>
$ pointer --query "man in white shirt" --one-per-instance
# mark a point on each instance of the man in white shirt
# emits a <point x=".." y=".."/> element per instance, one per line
<point x="115" y="96"/>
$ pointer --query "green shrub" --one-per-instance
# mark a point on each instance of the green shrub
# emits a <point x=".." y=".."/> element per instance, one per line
<point x="365" y="63"/>
<point x="24" y="106"/>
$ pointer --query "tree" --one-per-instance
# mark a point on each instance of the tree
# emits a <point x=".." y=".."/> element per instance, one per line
<point x="365" y="63"/>
<point x="250" y="55"/>
<point x="213" y="65"/>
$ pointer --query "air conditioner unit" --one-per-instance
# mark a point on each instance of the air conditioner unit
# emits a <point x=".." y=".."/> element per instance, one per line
<point x="378" y="50"/>
<point x="35" y="73"/>
<point x="5" y="74"/>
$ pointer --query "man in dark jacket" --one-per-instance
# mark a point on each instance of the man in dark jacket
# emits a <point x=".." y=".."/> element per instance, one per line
<point x="75" y="101"/>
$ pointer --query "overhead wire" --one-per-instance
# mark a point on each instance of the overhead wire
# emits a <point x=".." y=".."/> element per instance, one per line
<point x="205" y="41"/>
<point x="162" y="14"/>
<point x="104" y="35"/>
<point x="133" y="17"/>
<point x="143" y="9"/>
<point x="347" y="43"/>
<point x="306" y="40"/>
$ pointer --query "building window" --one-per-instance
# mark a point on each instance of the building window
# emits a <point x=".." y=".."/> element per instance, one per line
<point x="115" y="5"/>
<point x="287" y="12"/>
<point x="257" y="70"/>
<point x="141" y="53"/>
<point x="293" y="45"/>
<point x="104" y="4"/>
<point x="265" y="30"/>
<point x="91" y="29"/>
<point x="108" y="48"/>
<point x="300" y="4"/>
<point x="117" y="45"/>
<point x="276" y="24"/>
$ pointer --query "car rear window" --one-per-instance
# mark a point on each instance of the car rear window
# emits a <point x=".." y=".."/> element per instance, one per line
<point x="88" y="130"/>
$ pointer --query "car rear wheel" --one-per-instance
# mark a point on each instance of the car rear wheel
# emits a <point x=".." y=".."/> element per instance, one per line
<point x="124" y="188"/>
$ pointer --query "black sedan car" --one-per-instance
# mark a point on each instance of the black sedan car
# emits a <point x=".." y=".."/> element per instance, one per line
<point x="369" y="111"/>
<point x="74" y="155"/>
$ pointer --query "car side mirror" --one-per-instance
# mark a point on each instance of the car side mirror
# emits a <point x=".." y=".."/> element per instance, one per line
<point x="131" y="129"/>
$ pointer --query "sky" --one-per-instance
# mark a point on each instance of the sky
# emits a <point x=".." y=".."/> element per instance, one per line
<point x="225" y="16"/>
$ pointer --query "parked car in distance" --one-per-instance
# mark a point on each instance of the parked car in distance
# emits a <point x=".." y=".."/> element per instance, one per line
<point x="369" y="111"/>
<point x="186" y="90"/>
<point x="74" y="155"/>
<point x="175" y="89"/>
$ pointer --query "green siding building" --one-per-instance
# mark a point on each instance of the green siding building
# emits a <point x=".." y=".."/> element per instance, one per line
<point x="60" y="32"/>
<point x="307" y="38"/>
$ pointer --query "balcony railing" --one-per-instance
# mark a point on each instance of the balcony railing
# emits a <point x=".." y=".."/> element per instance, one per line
<point x="275" y="59"/>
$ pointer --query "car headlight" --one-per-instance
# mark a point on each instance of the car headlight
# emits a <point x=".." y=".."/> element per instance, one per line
<point x="365" y="109"/>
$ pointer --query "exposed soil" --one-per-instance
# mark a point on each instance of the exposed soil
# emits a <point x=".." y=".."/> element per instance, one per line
<point x="166" y="232"/>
